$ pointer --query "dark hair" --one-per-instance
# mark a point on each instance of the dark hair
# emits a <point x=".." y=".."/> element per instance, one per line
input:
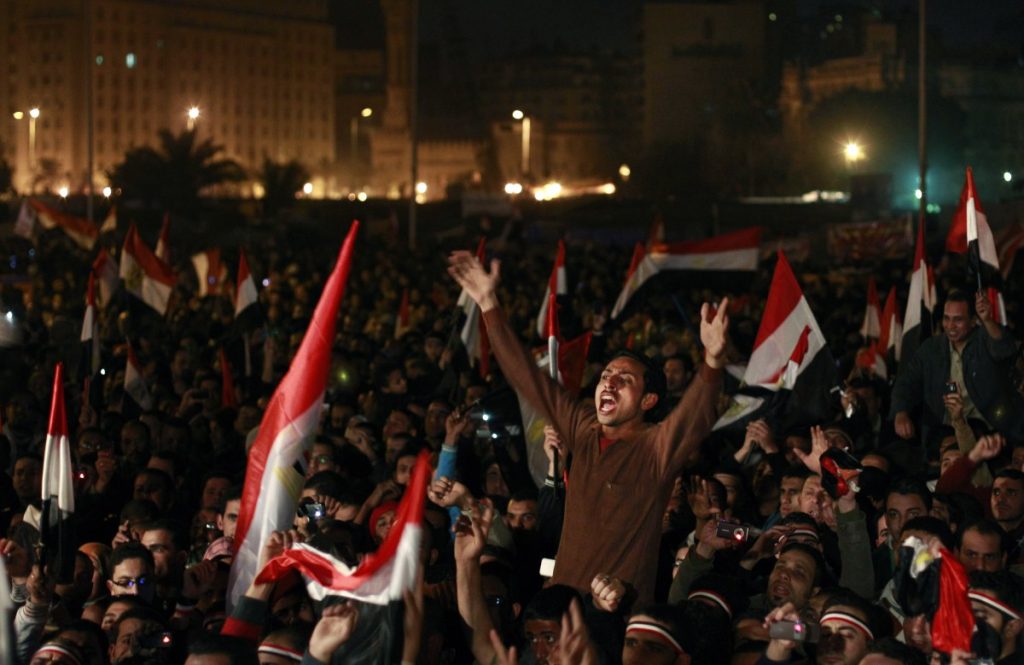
<point x="892" y="648"/>
<point x="1003" y="584"/>
<point x="958" y="295"/>
<point x="654" y="376"/>
<point x="174" y="528"/>
<point x="551" y="603"/>
<point x="161" y="475"/>
<point x="239" y="651"/>
<point x="933" y="526"/>
<point x="90" y="628"/>
<point x="234" y="493"/>
<point x="819" y="561"/>
<point x="795" y="471"/>
<point x="910" y="487"/>
<point x="1011" y="474"/>
<point x="130" y="550"/>
<point x="142" y="613"/>
<point x="875" y="617"/>
<point x="985" y="527"/>
<point x="327" y="483"/>
<point x="295" y="635"/>
<point x="525" y="493"/>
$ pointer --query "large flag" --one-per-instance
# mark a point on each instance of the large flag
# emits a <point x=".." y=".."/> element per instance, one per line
<point x="402" y="318"/>
<point x="135" y="386"/>
<point x="145" y="275"/>
<point x="790" y="371"/>
<point x="163" y="241"/>
<point x="871" y="328"/>
<point x="474" y="333"/>
<point x="276" y="468"/>
<point x="382" y="576"/>
<point x="106" y="270"/>
<point x="90" y="333"/>
<point x="917" y="322"/>
<point x="211" y="273"/>
<point x="733" y="251"/>
<point x="557" y="284"/>
<point x="890" y="341"/>
<point x="58" y="491"/>
<point x="970" y="233"/>
<point x="35" y="215"/>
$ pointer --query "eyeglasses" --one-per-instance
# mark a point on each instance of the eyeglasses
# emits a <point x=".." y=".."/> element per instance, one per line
<point x="131" y="582"/>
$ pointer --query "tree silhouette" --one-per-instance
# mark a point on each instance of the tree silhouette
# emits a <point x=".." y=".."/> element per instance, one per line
<point x="175" y="173"/>
<point x="281" y="181"/>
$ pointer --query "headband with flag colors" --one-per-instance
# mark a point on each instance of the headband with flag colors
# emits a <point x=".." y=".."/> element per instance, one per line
<point x="276" y="467"/>
<point x="278" y="650"/>
<point x="655" y="630"/>
<point x="557" y="284"/>
<point x="382" y="576"/>
<point x="738" y="250"/>
<point x="713" y="597"/>
<point x="847" y="619"/>
<point x="994" y="603"/>
<point x="871" y="328"/>
<point x="58" y="491"/>
<point x="145" y="276"/>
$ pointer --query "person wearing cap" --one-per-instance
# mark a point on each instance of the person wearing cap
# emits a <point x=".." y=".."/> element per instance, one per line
<point x="996" y="599"/>
<point x="615" y="451"/>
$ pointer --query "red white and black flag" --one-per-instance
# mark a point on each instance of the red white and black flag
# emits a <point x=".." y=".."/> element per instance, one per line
<point x="791" y="373"/>
<point x="971" y="233"/>
<point x="135" y="387"/>
<point x="557" y="284"/>
<point x="871" y="328"/>
<point x="58" y="490"/>
<point x="276" y="468"/>
<point x="145" y="276"/>
<point x="890" y="341"/>
<point x="90" y="332"/>
<point x="163" y="241"/>
<point x="35" y="215"/>
<point x="733" y="251"/>
<point x="917" y="321"/>
<point x="106" y="270"/>
<point x="211" y="273"/>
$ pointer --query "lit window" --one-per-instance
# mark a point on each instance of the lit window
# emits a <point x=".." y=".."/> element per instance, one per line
<point x="129" y="61"/>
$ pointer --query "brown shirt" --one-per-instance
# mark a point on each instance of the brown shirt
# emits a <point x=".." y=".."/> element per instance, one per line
<point x="616" y="498"/>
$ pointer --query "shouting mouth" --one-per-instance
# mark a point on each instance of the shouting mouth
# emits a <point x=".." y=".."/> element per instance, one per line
<point x="606" y="404"/>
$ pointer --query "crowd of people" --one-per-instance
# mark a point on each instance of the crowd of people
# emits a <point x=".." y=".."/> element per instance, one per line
<point x="653" y="538"/>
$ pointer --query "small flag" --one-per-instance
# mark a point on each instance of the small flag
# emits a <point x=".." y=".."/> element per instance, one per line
<point x="275" y="470"/>
<point x="135" y="383"/>
<point x="58" y="490"/>
<point x="402" y="319"/>
<point x="245" y="292"/>
<point x="871" y="328"/>
<point x="211" y="273"/>
<point x="106" y="270"/>
<point x="90" y="334"/>
<point x="917" y="324"/>
<point x="890" y="340"/>
<point x="163" y="242"/>
<point x="145" y="276"/>
<point x="34" y="215"/>
<point x="557" y="284"/>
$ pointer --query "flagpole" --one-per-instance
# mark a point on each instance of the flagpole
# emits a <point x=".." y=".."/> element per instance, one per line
<point x="553" y="371"/>
<point x="922" y="114"/>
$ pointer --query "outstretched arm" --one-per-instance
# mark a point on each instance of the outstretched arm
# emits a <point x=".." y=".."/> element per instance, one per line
<point x="471" y="275"/>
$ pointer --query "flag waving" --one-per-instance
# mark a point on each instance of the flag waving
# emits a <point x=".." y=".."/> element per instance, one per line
<point x="871" y="328"/>
<point x="402" y="319"/>
<point x="163" y="241"/>
<point x="90" y="332"/>
<point x="145" y="275"/>
<point x="382" y="576"/>
<point x="557" y="284"/>
<point x="890" y="341"/>
<point x="211" y="273"/>
<point x="970" y="233"/>
<point x="275" y="470"/>
<point x="917" y="321"/>
<point x="58" y="491"/>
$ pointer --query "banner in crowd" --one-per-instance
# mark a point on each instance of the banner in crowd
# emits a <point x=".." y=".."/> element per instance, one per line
<point x="870" y="241"/>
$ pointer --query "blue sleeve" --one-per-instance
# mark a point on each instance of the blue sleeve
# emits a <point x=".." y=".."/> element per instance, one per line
<point x="446" y="468"/>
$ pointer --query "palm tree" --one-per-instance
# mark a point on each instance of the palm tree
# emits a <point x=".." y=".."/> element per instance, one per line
<point x="281" y="181"/>
<point x="175" y="173"/>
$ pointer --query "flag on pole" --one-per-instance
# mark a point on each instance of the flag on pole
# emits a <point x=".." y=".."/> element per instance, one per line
<point x="90" y="334"/>
<point x="58" y="490"/>
<point x="871" y="328"/>
<point x="732" y="251"/>
<point x="211" y="273"/>
<point x="970" y="233"/>
<point x="145" y="275"/>
<point x="402" y="319"/>
<point x="474" y="333"/>
<point x="276" y="468"/>
<point x="383" y="576"/>
<point x="245" y="292"/>
<point x="917" y="322"/>
<point x="135" y="382"/>
<point x="106" y="270"/>
<point x="557" y="284"/>
<point x="163" y="242"/>
<point x="109" y="224"/>
<point x="995" y="297"/>
<point x="790" y="371"/>
<point x="890" y="341"/>
<point x="35" y="215"/>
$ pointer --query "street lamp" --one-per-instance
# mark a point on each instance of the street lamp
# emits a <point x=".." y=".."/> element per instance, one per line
<point x="525" y="150"/>
<point x="192" y="115"/>
<point x="853" y="152"/>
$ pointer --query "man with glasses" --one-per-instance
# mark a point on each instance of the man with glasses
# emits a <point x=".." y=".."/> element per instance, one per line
<point x="131" y="566"/>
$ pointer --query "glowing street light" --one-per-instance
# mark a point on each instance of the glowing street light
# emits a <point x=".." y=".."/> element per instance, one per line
<point x="1007" y="176"/>
<point x="192" y="115"/>
<point x="525" y="150"/>
<point x="33" y="113"/>
<point x="18" y="115"/>
<point x="625" y="172"/>
<point x="107" y="191"/>
<point x="517" y="115"/>
<point x="366" y="112"/>
<point x="513" y="188"/>
<point x="307" y="189"/>
<point x="853" y="152"/>
<point x="63" y="191"/>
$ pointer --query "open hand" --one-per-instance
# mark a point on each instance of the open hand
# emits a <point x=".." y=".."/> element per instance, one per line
<point x="478" y="282"/>
<point x="714" y="332"/>
<point x="336" y="625"/>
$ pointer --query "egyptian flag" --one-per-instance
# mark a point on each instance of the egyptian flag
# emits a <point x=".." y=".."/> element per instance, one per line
<point x="935" y="584"/>
<point x="90" y="333"/>
<point x="917" y="321"/>
<point x="474" y="334"/>
<point x="106" y="270"/>
<point x="145" y="276"/>
<point x="871" y="359"/>
<point x="734" y="251"/>
<point x="135" y="383"/>
<point x="163" y="242"/>
<point x="58" y="495"/>
<point x="35" y="215"/>
<point x="970" y="233"/>
<point x="871" y="328"/>
<point x="211" y="273"/>
<point x="995" y="297"/>
<point x="246" y="298"/>
<point x="557" y="284"/>
<point x="276" y="467"/>
<point x="890" y="341"/>
<point x="791" y="374"/>
<point x="402" y="320"/>
<point x="109" y="224"/>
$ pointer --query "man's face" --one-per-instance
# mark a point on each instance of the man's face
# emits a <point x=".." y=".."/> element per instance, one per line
<point x="211" y="659"/>
<point x="166" y="561"/>
<point x="91" y="442"/>
<point x="152" y="489"/>
<point x="542" y="636"/>
<point x="619" y="396"/>
<point x="956" y="321"/>
<point x="917" y="632"/>
<point x="321" y="459"/>
<point x="403" y="469"/>
<point x="951" y="455"/>
<point x="397" y="422"/>
<point x="123" y="645"/>
<point x="792" y="579"/>
<point x="383" y="525"/>
<point x="131" y="577"/>
<point x="28" y="479"/>
<point x="134" y="441"/>
<point x="110" y="617"/>
<point x="433" y="423"/>
<point x="396" y="383"/>
<point x="494" y="482"/>
<point x="647" y="648"/>
<point x="522" y="515"/>
<point x="675" y="375"/>
<point x="789" y="494"/>
<point x="214" y="491"/>
<point x="340" y="413"/>
<point x="393" y="446"/>
<point x="842" y="643"/>
<point x="1008" y="502"/>
<point x="981" y="551"/>
<point x="808" y="501"/>
<point x="230" y="519"/>
<point x="901" y="508"/>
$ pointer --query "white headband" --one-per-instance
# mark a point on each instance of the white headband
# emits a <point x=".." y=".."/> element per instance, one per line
<point x="284" y="652"/>
<point x="655" y="629"/>
<point x="848" y="619"/>
<point x="713" y="597"/>
<point x="994" y="603"/>
<point x="56" y="648"/>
